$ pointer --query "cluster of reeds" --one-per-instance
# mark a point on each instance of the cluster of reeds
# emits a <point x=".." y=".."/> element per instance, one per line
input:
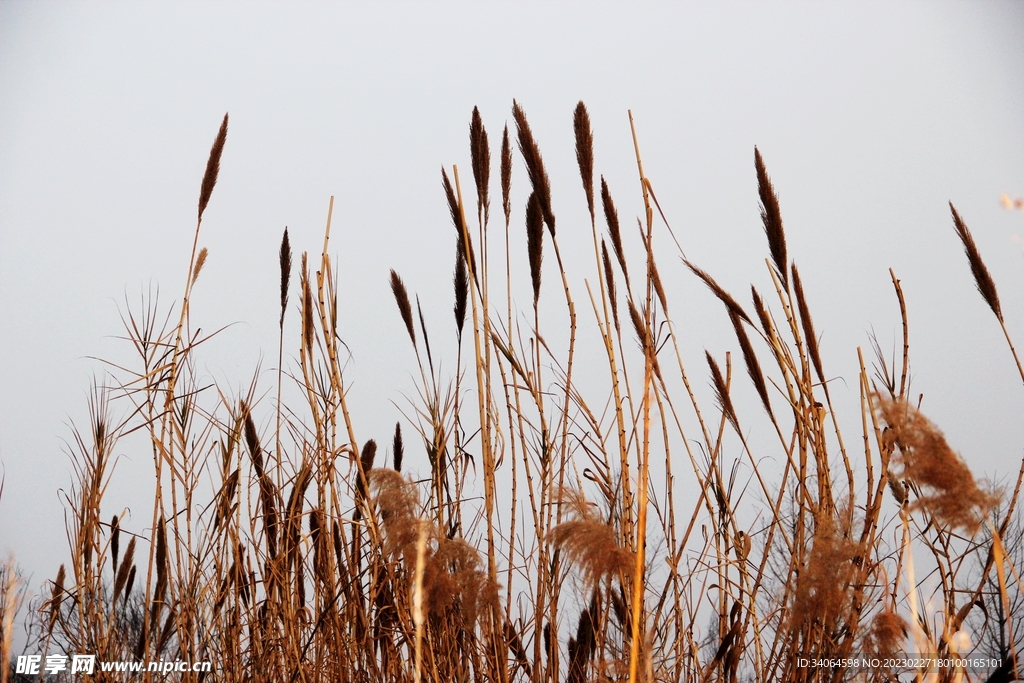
<point x="546" y="541"/>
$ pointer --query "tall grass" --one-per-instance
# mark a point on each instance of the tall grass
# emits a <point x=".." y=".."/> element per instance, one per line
<point x="545" y="543"/>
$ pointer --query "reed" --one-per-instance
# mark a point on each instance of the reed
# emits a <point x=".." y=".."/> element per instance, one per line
<point x="533" y="531"/>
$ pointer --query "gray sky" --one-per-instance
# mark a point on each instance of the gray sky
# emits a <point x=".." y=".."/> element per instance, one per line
<point x="871" y="117"/>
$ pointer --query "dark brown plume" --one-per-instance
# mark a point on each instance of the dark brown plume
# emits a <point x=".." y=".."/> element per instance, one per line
<point x="982" y="280"/>
<point x="461" y="283"/>
<point x="750" y="358"/>
<point x="612" y="218"/>
<point x="534" y="165"/>
<point x="808" y="325"/>
<point x="404" y="307"/>
<point x="535" y="240"/>
<point x="585" y="152"/>
<point x="723" y="295"/>
<point x="465" y="242"/>
<point x="506" y="174"/>
<point x="481" y="154"/>
<point x="286" y="271"/>
<point x="722" y="392"/>
<point x="397" y="449"/>
<point x="772" y="219"/>
<point x="212" y="167"/>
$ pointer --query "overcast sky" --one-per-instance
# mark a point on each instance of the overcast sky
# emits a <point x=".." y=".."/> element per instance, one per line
<point x="870" y="117"/>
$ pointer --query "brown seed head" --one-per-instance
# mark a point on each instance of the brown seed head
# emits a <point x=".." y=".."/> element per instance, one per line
<point x="950" y="493"/>
<point x="722" y="391"/>
<point x="535" y="240"/>
<point x="534" y="165"/>
<point x="506" y="175"/>
<point x="212" y="167"/>
<point x="481" y="154"/>
<point x="585" y="152"/>
<point x="285" y="258"/>
<point x="771" y="217"/>
<point x="808" y="325"/>
<point x="612" y="218"/>
<point x="722" y="295"/>
<point x="404" y="307"/>
<point x="982" y="280"/>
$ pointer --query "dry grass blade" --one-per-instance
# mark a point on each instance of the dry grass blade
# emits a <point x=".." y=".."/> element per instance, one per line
<point x="585" y="152"/>
<point x="404" y="307"/>
<point x="534" y="165"/>
<point x="285" y="258"/>
<point x="212" y="167"/>
<point x="750" y="359"/>
<point x="771" y="216"/>
<point x="723" y="295"/>
<point x="611" y="216"/>
<point x="982" y="280"/>
<point x="808" y="325"/>
<point x="535" y="240"/>
<point x="722" y="392"/>
<point x="506" y="174"/>
<point x="950" y="493"/>
<point x="481" y="154"/>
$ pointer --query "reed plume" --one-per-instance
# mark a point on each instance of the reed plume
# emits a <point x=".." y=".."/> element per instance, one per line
<point x="771" y="216"/>
<point x="822" y="593"/>
<point x="534" y="165"/>
<point x="461" y="283"/>
<point x="982" y="279"/>
<point x="200" y="262"/>
<point x="808" y="325"/>
<point x="950" y="493"/>
<point x="722" y="392"/>
<point x="750" y="359"/>
<point x="611" y="216"/>
<point x="285" y="258"/>
<point x="506" y="174"/>
<point x="404" y="307"/>
<point x="535" y="240"/>
<point x="397" y="449"/>
<point x="722" y="295"/>
<point x="481" y="155"/>
<point x="585" y="152"/>
<point x="609" y="277"/>
<point x="212" y="167"/>
<point x="589" y="542"/>
<point x="465" y="242"/>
